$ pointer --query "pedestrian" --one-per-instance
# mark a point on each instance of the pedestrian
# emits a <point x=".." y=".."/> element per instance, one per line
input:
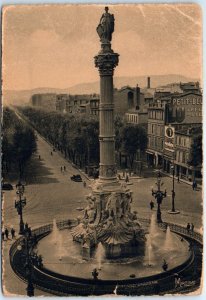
<point x="12" y="233"/>
<point x="151" y="205"/>
<point x="51" y="153"/>
<point x="192" y="227"/>
<point x="95" y="274"/>
<point x="127" y="178"/>
<point x="2" y="235"/>
<point x="188" y="227"/>
<point x="39" y="157"/>
<point x="123" y="173"/>
<point x="6" y="233"/>
<point x="194" y="185"/>
<point x="178" y="178"/>
<point x="164" y="265"/>
<point x="64" y="168"/>
<point x="177" y="280"/>
<point x="61" y="169"/>
<point x="119" y="176"/>
<point x="84" y="183"/>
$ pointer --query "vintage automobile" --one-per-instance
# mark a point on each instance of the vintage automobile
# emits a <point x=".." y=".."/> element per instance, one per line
<point x="7" y="186"/>
<point x="76" y="178"/>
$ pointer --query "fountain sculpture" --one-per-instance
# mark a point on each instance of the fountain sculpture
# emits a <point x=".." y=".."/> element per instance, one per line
<point x="108" y="217"/>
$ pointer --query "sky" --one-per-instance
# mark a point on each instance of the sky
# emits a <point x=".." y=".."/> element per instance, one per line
<point x="55" y="45"/>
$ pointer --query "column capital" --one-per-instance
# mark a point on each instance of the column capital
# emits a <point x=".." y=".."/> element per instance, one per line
<point x="106" y="62"/>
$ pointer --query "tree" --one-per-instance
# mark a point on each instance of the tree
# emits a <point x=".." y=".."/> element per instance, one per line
<point x="134" y="137"/>
<point x="18" y="142"/>
<point x="195" y="157"/>
<point x="24" y="144"/>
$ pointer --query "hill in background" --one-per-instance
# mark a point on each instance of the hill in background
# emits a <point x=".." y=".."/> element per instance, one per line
<point x="22" y="97"/>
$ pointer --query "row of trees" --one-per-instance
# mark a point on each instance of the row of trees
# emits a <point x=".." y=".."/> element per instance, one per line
<point x="18" y="143"/>
<point x="196" y="153"/>
<point x="77" y="135"/>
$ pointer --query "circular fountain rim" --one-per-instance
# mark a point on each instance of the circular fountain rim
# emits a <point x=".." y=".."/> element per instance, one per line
<point x="43" y="231"/>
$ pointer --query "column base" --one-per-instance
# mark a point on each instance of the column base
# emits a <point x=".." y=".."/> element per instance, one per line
<point x="173" y="212"/>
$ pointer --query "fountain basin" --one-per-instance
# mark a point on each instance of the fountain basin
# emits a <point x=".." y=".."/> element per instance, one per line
<point x="74" y="264"/>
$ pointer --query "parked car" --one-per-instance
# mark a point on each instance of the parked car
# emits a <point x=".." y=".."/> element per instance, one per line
<point x="7" y="186"/>
<point x="76" y="178"/>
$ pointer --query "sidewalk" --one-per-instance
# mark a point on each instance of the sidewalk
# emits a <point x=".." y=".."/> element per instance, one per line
<point x="181" y="179"/>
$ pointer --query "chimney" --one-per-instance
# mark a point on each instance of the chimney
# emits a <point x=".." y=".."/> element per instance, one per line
<point x="148" y="82"/>
<point x="137" y="97"/>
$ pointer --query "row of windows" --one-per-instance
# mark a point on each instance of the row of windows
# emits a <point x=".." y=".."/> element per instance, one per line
<point x="181" y="156"/>
<point x="132" y="118"/>
<point x="95" y="112"/>
<point x="182" y="141"/>
<point x="155" y="142"/>
<point x="155" y="129"/>
<point x="156" y="114"/>
<point x="94" y="103"/>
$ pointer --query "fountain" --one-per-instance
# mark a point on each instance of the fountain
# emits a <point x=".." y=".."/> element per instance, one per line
<point x="55" y="231"/>
<point x="170" y="240"/>
<point x="149" y="258"/>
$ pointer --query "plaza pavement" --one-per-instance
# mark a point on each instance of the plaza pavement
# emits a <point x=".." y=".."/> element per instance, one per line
<point x="51" y="194"/>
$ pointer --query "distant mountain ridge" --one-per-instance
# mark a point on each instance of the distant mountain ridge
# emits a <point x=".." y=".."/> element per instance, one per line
<point x="19" y="97"/>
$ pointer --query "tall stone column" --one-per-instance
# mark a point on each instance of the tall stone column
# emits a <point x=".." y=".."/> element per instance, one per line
<point x="108" y="217"/>
<point x="106" y="61"/>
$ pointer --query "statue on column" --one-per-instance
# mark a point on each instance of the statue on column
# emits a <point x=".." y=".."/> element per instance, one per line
<point x="106" y="26"/>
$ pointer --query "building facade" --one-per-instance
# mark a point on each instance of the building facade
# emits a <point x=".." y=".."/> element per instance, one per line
<point x="166" y="123"/>
<point x="46" y="101"/>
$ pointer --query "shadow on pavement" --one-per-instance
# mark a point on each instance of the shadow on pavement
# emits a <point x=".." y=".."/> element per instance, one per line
<point x="37" y="173"/>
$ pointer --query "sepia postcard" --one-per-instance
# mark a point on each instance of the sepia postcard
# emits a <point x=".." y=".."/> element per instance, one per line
<point x="102" y="157"/>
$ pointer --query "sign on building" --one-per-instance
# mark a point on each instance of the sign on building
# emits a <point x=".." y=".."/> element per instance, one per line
<point x="169" y="138"/>
<point x="185" y="109"/>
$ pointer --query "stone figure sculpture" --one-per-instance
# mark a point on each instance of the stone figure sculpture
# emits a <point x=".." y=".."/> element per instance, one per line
<point x="106" y="26"/>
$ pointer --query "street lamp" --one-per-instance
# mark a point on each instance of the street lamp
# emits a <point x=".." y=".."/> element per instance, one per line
<point x="173" y="211"/>
<point x="31" y="258"/>
<point x="159" y="196"/>
<point x="19" y="205"/>
<point x="28" y="264"/>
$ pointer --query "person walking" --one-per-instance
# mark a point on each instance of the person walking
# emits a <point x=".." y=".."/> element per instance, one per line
<point x="177" y="280"/>
<point x="127" y="178"/>
<point x="178" y="178"/>
<point x="39" y="157"/>
<point x="164" y="265"/>
<point x="95" y="274"/>
<point x="84" y="183"/>
<point x="51" y="153"/>
<point x="188" y="227"/>
<point x="64" y="168"/>
<point x="6" y="233"/>
<point x="192" y="227"/>
<point x="194" y="185"/>
<point x="61" y="169"/>
<point x="2" y="235"/>
<point x="12" y="233"/>
<point x="151" y="205"/>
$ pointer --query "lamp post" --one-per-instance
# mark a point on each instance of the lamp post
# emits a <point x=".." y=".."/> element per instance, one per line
<point x="159" y="196"/>
<point x="30" y="258"/>
<point x="19" y="205"/>
<point x="173" y="211"/>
